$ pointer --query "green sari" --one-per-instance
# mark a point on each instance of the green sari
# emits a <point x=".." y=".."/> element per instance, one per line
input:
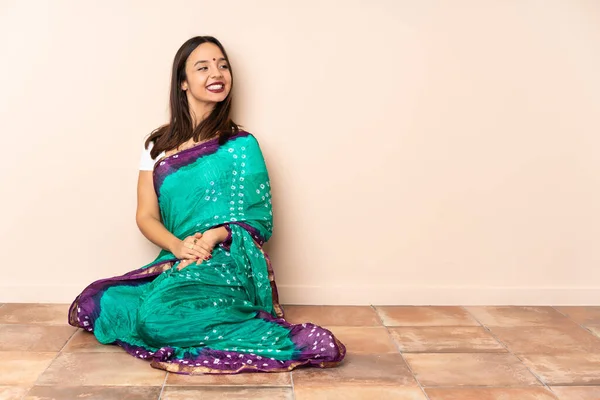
<point x="222" y="316"/>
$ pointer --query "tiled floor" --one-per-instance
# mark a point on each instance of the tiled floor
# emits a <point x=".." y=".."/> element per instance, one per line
<point x="411" y="353"/>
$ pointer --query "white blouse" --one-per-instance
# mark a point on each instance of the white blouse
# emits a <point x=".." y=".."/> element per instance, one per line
<point x="146" y="161"/>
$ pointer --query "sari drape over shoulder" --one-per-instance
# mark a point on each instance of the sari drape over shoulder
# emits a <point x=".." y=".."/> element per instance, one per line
<point x="222" y="316"/>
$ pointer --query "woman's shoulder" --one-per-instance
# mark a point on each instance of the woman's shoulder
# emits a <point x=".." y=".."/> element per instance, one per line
<point x="243" y="137"/>
<point x="247" y="143"/>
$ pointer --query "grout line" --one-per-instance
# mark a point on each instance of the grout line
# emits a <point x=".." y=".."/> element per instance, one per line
<point x="575" y="322"/>
<point x="495" y="386"/>
<point x="70" y="338"/>
<point x="379" y="317"/>
<point x="374" y="308"/>
<point x="509" y="352"/>
<point x="163" y="386"/>
<point x="229" y="385"/>
<point x="51" y="362"/>
<point x="54" y="359"/>
<point x="387" y="329"/>
<point x="571" y="319"/>
<point x="293" y="389"/>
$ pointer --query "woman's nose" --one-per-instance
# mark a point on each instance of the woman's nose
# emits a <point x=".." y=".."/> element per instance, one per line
<point x="217" y="73"/>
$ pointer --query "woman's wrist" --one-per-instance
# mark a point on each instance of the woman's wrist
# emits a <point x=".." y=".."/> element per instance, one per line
<point x="173" y="243"/>
<point x="221" y="234"/>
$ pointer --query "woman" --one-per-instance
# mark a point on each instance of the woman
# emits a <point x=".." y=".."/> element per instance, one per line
<point x="208" y="303"/>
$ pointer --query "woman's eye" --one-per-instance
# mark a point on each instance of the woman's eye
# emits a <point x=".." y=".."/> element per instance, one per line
<point x="225" y="66"/>
<point x="202" y="68"/>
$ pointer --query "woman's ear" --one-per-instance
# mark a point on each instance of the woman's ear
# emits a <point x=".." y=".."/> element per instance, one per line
<point x="184" y="86"/>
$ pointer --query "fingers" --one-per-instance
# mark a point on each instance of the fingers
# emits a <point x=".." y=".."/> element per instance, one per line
<point x="184" y="263"/>
<point x="203" y="246"/>
<point x="191" y="252"/>
<point x="197" y="251"/>
<point x="189" y="261"/>
<point x="193" y="238"/>
<point x="204" y="255"/>
<point x="195" y="248"/>
<point x="191" y="249"/>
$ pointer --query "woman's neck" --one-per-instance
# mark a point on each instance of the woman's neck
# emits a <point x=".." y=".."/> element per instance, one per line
<point x="199" y="112"/>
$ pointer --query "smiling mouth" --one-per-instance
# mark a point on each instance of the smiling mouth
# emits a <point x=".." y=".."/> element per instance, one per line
<point x="218" y="87"/>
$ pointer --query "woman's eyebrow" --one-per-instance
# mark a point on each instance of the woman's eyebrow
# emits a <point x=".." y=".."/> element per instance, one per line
<point x="204" y="61"/>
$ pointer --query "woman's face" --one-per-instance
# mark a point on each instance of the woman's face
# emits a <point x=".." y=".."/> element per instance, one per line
<point x="208" y="76"/>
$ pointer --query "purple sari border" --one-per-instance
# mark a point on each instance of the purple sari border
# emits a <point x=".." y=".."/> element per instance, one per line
<point x="82" y="314"/>
<point x="162" y="354"/>
<point x="315" y="341"/>
<point x="226" y="244"/>
<point x="279" y="311"/>
<point x="305" y="337"/>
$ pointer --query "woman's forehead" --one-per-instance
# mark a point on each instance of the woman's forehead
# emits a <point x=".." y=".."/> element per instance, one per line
<point x="206" y="52"/>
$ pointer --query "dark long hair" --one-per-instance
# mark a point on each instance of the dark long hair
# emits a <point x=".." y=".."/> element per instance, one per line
<point x="180" y="129"/>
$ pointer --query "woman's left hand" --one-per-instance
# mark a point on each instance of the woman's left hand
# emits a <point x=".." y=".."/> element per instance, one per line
<point x="208" y="241"/>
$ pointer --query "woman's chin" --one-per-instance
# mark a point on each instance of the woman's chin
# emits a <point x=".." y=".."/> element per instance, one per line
<point x="216" y="98"/>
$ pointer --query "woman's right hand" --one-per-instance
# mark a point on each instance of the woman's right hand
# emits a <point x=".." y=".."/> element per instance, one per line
<point x="191" y="248"/>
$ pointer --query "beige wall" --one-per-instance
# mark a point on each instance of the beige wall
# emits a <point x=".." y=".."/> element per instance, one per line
<point x="421" y="152"/>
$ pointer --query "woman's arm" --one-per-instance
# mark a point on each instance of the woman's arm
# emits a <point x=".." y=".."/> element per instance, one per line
<point x="147" y="215"/>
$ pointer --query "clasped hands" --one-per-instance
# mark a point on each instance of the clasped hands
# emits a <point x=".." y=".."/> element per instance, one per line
<point x="198" y="247"/>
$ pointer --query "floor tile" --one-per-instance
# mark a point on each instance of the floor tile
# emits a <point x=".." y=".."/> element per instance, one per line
<point x="445" y="339"/>
<point x="93" y="393"/>
<point x="249" y="379"/>
<point x="566" y="338"/>
<point x="582" y="315"/>
<point x="577" y="392"/>
<point x="23" y="367"/>
<point x="34" y="313"/>
<point x="565" y="369"/>
<point x="341" y="392"/>
<point x="425" y="316"/>
<point x="12" y="392"/>
<point x="101" y="369"/>
<point x="365" y="340"/>
<point x="463" y="369"/>
<point x="508" y="316"/>
<point x="14" y="337"/>
<point x="243" y="393"/>
<point x="332" y="315"/>
<point x="360" y="369"/>
<point x="83" y="341"/>
<point x="536" y="393"/>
